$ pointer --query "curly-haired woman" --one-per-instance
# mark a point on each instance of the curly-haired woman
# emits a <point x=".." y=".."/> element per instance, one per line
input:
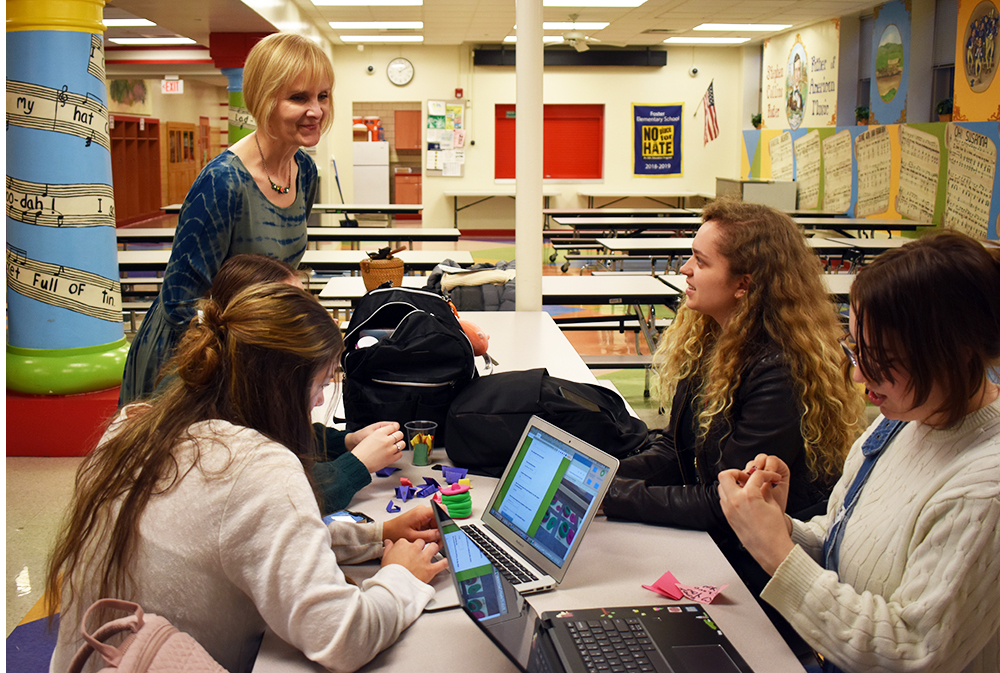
<point x="749" y="365"/>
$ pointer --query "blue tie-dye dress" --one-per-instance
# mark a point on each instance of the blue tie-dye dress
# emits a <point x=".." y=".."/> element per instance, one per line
<point x="224" y="214"/>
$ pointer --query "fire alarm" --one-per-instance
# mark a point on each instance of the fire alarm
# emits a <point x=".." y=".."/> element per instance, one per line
<point x="458" y="93"/>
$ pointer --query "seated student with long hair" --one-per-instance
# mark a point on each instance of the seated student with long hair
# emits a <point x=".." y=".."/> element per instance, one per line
<point x="746" y="367"/>
<point x="199" y="506"/>
<point x="901" y="572"/>
<point x="346" y="459"/>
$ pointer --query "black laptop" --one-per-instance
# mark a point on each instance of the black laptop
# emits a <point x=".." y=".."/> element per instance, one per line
<point x="646" y="639"/>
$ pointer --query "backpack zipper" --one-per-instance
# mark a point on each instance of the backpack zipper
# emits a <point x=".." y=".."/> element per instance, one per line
<point x="413" y="385"/>
<point x="160" y="636"/>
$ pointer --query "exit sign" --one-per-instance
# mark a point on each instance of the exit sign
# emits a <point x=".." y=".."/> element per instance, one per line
<point x="172" y="86"/>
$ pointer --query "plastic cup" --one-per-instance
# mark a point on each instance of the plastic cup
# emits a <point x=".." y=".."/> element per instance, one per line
<point x="420" y="438"/>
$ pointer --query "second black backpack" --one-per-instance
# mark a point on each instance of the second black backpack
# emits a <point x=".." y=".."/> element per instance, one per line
<point x="487" y="419"/>
<point x="405" y="358"/>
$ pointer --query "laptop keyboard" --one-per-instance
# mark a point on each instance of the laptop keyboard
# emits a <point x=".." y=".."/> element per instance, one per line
<point x="509" y="567"/>
<point x="613" y="645"/>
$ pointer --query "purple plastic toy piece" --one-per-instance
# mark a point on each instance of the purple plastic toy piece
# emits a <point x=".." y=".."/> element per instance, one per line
<point x="392" y="507"/>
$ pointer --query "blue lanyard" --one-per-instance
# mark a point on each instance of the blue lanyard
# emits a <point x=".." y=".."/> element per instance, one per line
<point x="872" y="449"/>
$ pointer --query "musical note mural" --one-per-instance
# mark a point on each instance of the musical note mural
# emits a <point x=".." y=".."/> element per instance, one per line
<point x="943" y="173"/>
<point x="64" y="323"/>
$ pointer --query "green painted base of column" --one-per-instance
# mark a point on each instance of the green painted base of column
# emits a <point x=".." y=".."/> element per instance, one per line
<point x="65" y="371"/>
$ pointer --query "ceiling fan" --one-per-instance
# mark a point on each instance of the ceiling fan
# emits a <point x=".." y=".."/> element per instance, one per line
<point x="580" y="40"/>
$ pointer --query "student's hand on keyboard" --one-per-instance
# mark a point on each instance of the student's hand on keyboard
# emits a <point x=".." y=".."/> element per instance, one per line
<point x="415" y="557"/>
<point x="415" y="524"/>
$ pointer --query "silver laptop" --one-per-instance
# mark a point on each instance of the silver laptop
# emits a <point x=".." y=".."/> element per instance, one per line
<point x="541" y="508"/>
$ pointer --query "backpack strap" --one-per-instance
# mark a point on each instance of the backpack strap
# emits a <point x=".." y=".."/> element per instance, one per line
<point x="111" y="655"/>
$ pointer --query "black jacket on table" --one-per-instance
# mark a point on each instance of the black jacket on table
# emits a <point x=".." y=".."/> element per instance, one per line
<point x="674" y="481"/>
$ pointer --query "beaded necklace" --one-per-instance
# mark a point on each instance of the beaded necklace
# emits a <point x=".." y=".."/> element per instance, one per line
<point x="275" y="186"/>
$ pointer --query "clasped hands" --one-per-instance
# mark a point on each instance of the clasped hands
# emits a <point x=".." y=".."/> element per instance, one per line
<point x="754" y="501"/>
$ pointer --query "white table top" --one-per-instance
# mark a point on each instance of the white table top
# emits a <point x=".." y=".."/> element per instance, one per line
<point x="317" y="259"/>
<point x="683" y="243"/>
<point x="359" y="208"/>
<point x="664" y="211"/>
<point x="498" y="190"/>
<point x="838" y="284"/>
<point x="609" y="289"/>
<point x="872" y="244"/>
<point x="523" y="340"/>
<point x="639" y="193"/>
<point x="166" y="234"/>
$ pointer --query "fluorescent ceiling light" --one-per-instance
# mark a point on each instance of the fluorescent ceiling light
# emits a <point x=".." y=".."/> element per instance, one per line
<point x="382" y="38"/>
<point x="592" y="3"/>
<point x="147" y="41"/>
<point x="368" y="3"/>
<point x="377" y="25"/>
<point x="579" y="25"/>
<point x="127" y="23"/>
<point x="545" y="38"/>
<point x="706" y="40"/>
<point x="745" y="27"/>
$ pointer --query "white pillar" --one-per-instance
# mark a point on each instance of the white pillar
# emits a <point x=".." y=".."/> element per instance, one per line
<point x="528" y="166"/>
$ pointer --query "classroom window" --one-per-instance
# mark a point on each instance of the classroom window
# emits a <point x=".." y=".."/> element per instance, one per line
<point x="573" y="145"/>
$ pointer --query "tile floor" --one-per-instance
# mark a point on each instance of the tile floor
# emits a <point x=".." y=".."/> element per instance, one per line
<point x="38" y="489"/>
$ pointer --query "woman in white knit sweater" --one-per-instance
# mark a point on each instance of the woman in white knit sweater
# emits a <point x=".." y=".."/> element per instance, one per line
<point x="902" y="572"/>
<point x="199" y="505"/>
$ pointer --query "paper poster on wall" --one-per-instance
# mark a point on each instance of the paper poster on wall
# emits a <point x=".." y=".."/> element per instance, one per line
<point x="873" y="152"/>
<point x="453" y="116"/>
<point x="435" y="108"/>
<point x="656" y="140"/>
<point x="972" y="159"/>
<point x="977" y="59"/>
<point x="807" y="161"/>
<point x="782" y="163"/>
<point x="919" y="165"/>
<point x="890" y="62"/>
<point x="838" y="168"/>
<point x="799" y="77"/>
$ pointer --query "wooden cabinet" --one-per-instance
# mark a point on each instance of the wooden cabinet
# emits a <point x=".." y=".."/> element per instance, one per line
<point x="182" y="160"/>
<point x="135" y="168"/>
<point x="407" y="128"/>
<point x="408" y="190"/>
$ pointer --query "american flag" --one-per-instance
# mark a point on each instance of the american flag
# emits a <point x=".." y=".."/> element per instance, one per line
<point x="711" y="121"/>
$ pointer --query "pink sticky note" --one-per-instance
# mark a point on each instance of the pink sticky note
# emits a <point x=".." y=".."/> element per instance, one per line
<point x="703" y="594"/>
<point x="666" y="586"/>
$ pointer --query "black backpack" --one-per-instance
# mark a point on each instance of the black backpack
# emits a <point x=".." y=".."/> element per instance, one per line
<point x="487" y="419"/>
<point x="413" y="360"/>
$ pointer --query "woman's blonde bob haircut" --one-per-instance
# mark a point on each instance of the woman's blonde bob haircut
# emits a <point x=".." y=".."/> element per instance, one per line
<point x="278" y="61"/>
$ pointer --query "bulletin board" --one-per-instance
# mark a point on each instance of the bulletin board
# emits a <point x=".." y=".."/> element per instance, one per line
<point x="945" y="173"/>
<point x="445" y="142"/>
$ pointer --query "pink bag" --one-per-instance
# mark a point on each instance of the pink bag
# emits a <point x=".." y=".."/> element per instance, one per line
<point x="154" y="646"/>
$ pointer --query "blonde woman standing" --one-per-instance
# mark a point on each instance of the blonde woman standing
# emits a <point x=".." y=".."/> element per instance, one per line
<point x="253" y="198"/>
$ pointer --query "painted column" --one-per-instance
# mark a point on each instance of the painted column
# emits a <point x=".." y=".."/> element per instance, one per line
<point x="241" y="122"/>
<point x="64" y="314"/>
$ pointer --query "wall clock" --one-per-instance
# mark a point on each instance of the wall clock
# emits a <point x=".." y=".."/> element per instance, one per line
<point x="399" y="71"/>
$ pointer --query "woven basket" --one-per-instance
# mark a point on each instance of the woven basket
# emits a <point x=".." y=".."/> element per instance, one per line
<point x="377" y="271"/>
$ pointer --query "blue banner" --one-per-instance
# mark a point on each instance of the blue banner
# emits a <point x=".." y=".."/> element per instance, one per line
<point x="656" y="145"/>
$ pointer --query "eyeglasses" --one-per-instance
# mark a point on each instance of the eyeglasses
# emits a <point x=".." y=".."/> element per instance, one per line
<point x="850" y="348"/>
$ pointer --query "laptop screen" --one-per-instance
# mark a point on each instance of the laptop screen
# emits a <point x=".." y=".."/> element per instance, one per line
<point x="492" y="602"/>
<point x="549" y="493"/>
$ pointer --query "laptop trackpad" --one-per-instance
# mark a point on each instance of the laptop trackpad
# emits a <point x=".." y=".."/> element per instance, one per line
<point x="698" y="658"/>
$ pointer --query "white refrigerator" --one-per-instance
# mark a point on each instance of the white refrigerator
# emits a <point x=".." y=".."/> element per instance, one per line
<point x="371" y="172"/>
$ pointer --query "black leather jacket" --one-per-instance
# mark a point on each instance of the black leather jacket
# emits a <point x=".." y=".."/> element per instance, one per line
<point x="674" y="481"/>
